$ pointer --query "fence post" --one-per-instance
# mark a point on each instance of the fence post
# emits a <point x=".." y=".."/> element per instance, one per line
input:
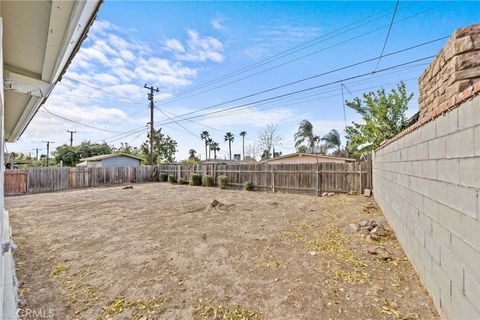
<point x="360" y="178"/>
<point x="317" y="189"/>
<point x="273" y="180"/>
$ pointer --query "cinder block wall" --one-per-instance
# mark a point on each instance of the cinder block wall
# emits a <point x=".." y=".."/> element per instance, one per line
<point x="427" y="182"/>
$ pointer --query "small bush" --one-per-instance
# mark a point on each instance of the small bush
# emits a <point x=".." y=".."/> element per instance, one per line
<point x="207" y="181"/>
<point x="182" y="181"/>
<point x="223" y="182"/>
<point x="172" y="179"/>
<point x="248" y="185"/>
<point x="195" y="179"/>
<point x="163" y="177"/>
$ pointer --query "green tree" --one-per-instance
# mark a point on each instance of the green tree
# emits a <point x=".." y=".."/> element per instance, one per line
<point x="332" y="140"/>
<point x="127" y="149"/>
<point x="301" y="149"/>
<point x="214" y="146"/>
<point x="383" y="115"/>
<point x="204" y="136"/>
<point x="192" y="155"/>
<point x="72" y="155"/>
<point x="229" y="137"/>
<point x="164" y="147"/>
<point x="243" y="134"/>
<point x="305" y="133"/>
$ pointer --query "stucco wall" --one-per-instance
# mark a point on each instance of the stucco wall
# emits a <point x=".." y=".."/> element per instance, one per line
<point x="427" y="183"/>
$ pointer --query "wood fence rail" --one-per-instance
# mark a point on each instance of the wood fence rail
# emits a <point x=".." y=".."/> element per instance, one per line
<point x="290" y="178"/>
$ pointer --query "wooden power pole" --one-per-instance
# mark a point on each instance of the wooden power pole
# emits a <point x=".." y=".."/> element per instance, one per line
<point x="152" y="106"/>
<point x="48" y="150"/>
<point x="71" y="136"/>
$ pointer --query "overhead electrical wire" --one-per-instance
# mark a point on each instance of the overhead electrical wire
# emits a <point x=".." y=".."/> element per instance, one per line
<point x="77" y="122"/>
<point x="314" y="76"/>
<point x="388" y="33"/>
<point x="177" y="97"/>
<point x="302" y="90"/>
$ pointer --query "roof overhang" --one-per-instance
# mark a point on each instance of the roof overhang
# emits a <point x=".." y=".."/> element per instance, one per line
<point x="40" y="38"/>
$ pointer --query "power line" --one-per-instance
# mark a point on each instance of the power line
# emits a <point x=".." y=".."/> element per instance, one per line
<point x="79" y="123"/>
<point x="303" y="90"/>
<point x="166" y="115"/>
<point x="388" y="34"/>
<point x="315" y="76"/>
<point x="178" y="96"/>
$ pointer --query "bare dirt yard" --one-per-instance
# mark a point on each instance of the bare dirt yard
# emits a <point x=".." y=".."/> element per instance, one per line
<point x="161" y="251"/>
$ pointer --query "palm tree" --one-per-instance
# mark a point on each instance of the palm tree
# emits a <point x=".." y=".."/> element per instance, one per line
<point x="208" y="143"/>
<point x="192" y="154"/>
<point x="305" y="132"/>
<point x="332" y="140"/>
<point x="229" y="137"/>
<point x="243" y="134"/>
<point x="204" y="136"/>
<point x="214" y="146"/>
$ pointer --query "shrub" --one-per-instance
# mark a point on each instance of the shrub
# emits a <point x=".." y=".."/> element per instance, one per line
<point x="207" y="181"/>
<point x="195" y="179"/>
<point x="223" y="182"/>
<point x="182" y="181"/>
<point x="172" y="179"/>
<point x="163" y="177"/>
<point x="248" y="185"/>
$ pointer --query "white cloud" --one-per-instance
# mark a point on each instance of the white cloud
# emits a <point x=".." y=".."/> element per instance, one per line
<point x="196" y="49"/>
<point x="217" y="23"/>
<point x="103" y="87"/>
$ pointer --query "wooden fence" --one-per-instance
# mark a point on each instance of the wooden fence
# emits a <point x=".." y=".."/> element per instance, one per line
<point x="33" y="180"/>
<point x="289" y="178"/>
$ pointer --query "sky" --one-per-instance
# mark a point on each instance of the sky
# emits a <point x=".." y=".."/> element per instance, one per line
<point x="205" y="57"/>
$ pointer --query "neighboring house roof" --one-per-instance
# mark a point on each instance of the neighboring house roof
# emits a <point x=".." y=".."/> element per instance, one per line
<point x="40" y="39"/>
<point x="108" y="156"/>
<point x="300" y="154"/>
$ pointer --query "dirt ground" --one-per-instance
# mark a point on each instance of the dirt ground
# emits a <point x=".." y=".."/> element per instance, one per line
<point x="161" y="251"/>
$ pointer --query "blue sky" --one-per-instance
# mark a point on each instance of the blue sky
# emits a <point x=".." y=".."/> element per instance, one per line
<point x="179" y="46"/>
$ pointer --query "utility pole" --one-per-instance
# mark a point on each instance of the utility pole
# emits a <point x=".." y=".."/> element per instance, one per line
<point x="152" y="105"/>
<point x="48" y="150"/>
<point x="36" y="152"/>
<point x="71" y="136"/>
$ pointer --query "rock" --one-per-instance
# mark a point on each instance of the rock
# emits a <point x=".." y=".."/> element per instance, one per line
<point x="330" y="194"/>
<point x="364" y="223"/>
<point x="367" y="192"/>
<point x="374" y="236"/>
<point x="373" y="249"/>
<point x="214" y="203"/>
<point x="312" y="253"/>
<point x="374" y="223"/>
<point x="379" y="231"/>
<point x="324" y="194"/>
<point x="128" y="187"/>
<point x="384" y="255"/>
<point x="354" y="227"/>
<point x="370" y="227"/>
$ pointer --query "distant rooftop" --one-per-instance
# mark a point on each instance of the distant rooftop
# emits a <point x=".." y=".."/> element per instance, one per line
<point x="108" y="156"/>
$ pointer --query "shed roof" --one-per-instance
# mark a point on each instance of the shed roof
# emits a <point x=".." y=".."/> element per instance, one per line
<point x="301" y="154"/>
<point x="111" y="155"/>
